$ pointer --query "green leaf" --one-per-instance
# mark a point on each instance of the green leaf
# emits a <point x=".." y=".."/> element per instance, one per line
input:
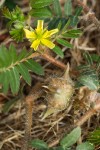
<point x="88" y="76"/>
<point x="69" y="35"/>
<point x="22" y="69"/>
<point x="15" y="23"/>
<point x="19" y="25"/>
<point x="42" y="12"/>
<point x="6" y="13"/>
<point x="13" y="65"/>
<point x="64" y="43"/>
<point x="91" y="81"/>
<point x="75" y="31"/>
<point x="66" y="25"/>
<point x="40" y="3"/>
<point x="34" y="66"/>
<point x="57" y="7"/>
<point x="39" y="144"/>
<point x="85" y="146"/>
<point x="54" y="23"/>
<point x="88" y="58"/>
<point x="78" y="11"/>
<point x="71" y="138"/>
<point x="14" y="80"/>
<point x="4" y="55"/>
<point x="17" y="34"/>
<point x="1" y="77"/>
<point x="95" y="58"/>
<point x="15" y="15"/>
<point x="23" y="54"/>
<point x="58" y="51"/>
<point x="8" y="105"/>
<point x="59" y="148"/>
<point x="10" y="4"/>
<point x="5" y="82"/>
<point x="68" y="8"/>
<point x="94" y="137"/>
<point x="13" y="54"/>
<point x="74" y="20"/>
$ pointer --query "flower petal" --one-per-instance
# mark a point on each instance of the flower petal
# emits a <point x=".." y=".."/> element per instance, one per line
<point x="50" y="33"/>
<point x="29" y="34"/>
<point x="35" y="44"/>
<point x="40" y="24"/>
<point x="48" y="43"/>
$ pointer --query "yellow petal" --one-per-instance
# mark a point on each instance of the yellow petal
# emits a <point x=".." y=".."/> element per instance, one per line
<point x="45" y="34"/>
<point x="50" y="33"/>
<point x="48" y="43"/>
<point x="40" y="24"/>
<point x="35" y="44"/>
<point x="29" y="34"/>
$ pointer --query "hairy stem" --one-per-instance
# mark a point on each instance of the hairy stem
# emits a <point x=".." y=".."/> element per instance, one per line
<point x="29" y="102"/>
<point x="49" y="58"/>
<point x="28" y="121"/>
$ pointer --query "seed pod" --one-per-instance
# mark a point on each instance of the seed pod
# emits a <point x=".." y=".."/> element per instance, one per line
<point x="58" y="93"/>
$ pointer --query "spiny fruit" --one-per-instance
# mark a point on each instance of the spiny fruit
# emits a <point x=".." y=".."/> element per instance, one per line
<point x="58" y="93"/>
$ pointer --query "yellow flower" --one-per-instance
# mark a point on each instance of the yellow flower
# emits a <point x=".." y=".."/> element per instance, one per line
<point x="40" y="36"/>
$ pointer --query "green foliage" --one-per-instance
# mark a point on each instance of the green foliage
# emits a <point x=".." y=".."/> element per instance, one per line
<point x="85" y="146"/>
<point x="40" y="3"/>
<point x="16" y="22"/>
<point x="40" y="8"/>
<point x="89" y="76"/>
<point x="15" y="15"/>
<point x="94" y="137"/>
<point x="39" y="144"/>
<point x="9" y="104"/>
<point x="57" y="8"/>
<point x="75" y="18"/>
<point x="58" y="51"/>
<point x="74" y="33"/>
<point x="95" y="58"/>
<point x="11" y="4"/>
<point x="68" y="8"/>
<point x="71" y="138"/>
<point x="12" y="66"/>
<point x="65" y="143"/>
<point x="17" y="34"/>
<point x="54" y="22"/>
<point x="64" y="43"/>
<point x="64" y="33"/>
<point x="41" y="12"/>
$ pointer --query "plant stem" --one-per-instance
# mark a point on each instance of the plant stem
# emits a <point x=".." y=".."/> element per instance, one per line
<point x="28" y="121"/>
<point x="29" y="102"/>
<point x="48" y="58"/>
<point x="54" y="61"/>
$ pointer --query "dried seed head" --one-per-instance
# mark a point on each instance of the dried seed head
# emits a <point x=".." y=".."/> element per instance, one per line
<point x="59" y="92"/>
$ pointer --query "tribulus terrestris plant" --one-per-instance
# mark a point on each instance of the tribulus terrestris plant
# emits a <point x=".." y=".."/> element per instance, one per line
<point x="48" y="32"/>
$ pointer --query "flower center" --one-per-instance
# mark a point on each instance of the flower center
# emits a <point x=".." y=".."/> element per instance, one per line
<point x="39" y="36"/>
